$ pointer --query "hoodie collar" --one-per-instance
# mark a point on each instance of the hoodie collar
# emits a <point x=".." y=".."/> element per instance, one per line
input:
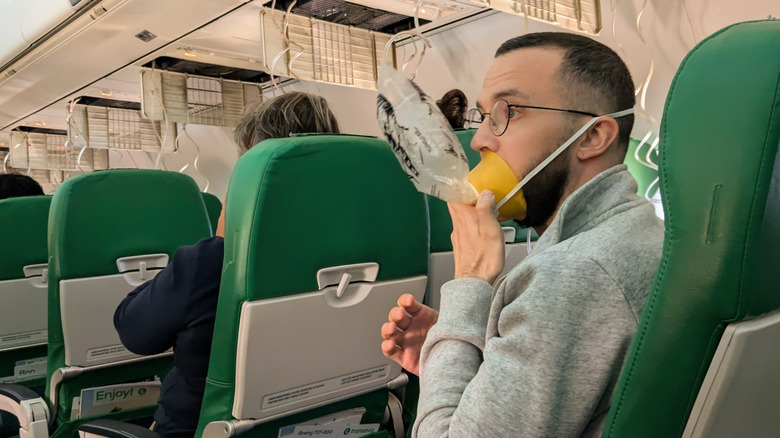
<point x="597" y="200"/>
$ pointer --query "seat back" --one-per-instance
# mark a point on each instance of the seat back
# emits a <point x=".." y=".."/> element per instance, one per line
<point x="23" y="266"/>
<point x="720" y="185"/>
<point x="743" y="373"/>
<point x="324" y="233"/>
<point x="109" y="232"/>
<point x="214" y="209"/>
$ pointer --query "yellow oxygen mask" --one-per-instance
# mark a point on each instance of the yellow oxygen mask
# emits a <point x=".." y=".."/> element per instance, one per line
<point x="494" y="174"/>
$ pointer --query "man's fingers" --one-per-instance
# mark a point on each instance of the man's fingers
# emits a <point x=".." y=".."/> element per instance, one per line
<point x="391" y="350"/>
<point x="400" y="317"/>
<point x="405" y="300"/>
<point x="390" y="331"/>
<point x="412" y="306"/>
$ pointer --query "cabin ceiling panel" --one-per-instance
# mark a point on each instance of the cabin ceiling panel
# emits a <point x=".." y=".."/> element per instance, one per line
<point x="235" y="40"/>
<point x="122" y="85"/>
<point x="94" y="48"/>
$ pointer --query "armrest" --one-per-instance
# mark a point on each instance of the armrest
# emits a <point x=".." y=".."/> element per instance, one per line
<point x="114" y="429"/>
<point x="28" y="407"/>
<point x="17" y="393"/>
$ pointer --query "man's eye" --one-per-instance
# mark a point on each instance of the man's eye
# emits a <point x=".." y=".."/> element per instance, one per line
<point x="511" y="113"/>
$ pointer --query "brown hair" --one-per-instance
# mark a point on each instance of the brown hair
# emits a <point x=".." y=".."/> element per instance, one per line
<point x="454" y="105"/>
<point x="278" y="117"/>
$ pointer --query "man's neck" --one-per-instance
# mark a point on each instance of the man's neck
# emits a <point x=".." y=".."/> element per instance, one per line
<point x="577" y="178"/>
<point x="542" y="228"/>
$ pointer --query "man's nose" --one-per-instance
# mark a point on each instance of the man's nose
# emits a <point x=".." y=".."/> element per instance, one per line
<point x="484" y="139"/>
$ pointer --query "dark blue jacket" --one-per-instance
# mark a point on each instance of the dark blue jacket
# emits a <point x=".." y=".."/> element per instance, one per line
<point x="177" y="309"/>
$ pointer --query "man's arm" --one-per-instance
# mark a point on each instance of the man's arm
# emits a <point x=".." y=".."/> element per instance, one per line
<point x="557" y="335"/>
<point x="149" y="318"/>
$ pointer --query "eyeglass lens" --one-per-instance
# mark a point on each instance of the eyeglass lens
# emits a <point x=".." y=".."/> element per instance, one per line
<point x="499" y="117"/>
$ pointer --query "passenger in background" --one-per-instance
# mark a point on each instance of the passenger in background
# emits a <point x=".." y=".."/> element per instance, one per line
<point x="13" y="185"/>
<point x="177" y="308"/>
<point x="454" y="105"/>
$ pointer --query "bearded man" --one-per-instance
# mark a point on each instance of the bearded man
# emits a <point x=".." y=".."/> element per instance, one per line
<point x="538" y="352"/>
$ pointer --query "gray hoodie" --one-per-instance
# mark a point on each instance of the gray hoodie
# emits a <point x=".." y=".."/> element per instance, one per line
<point x="539" y="354"/>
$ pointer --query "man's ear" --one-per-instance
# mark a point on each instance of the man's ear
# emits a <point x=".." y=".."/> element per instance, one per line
<point x="598" y="138"/>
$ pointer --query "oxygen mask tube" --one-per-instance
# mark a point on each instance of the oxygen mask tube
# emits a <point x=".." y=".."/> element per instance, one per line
<point x="641" y="92"/>
<point x="289" y="44"/>
<point x="414" y="35"/>
<point x="161" y="138"/>
<point x="197" y="157"/>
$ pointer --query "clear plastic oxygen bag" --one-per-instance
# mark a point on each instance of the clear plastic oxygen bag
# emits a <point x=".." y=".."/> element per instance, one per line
<point x="422" y="139"/>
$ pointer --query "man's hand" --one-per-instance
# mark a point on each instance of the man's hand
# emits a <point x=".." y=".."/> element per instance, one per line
<point x="405" y="332"/>
<point x="477" y="239"/>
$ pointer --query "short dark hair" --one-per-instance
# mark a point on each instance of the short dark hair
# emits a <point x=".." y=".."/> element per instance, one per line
<point x="593" y="75"/>
<point x="13" y="185"/>
<point x="294" y="112"/>
<point x="454" y="105"/>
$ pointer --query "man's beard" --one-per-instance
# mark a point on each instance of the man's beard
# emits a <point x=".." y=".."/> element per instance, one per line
<point x="544" y="191"/>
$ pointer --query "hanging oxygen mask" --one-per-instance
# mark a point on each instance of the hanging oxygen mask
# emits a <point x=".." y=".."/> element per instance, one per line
<point x="431" y="155"/>
<point x="427" y="149"/>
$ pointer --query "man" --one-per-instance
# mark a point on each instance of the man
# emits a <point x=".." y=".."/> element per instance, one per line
<point x="538" y="352"/>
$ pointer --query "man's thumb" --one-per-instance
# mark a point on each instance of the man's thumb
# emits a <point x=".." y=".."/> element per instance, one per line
<point x="487" y="201"/>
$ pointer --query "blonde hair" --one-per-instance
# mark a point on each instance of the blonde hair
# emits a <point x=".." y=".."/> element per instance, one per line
<point x="278" y="117"/>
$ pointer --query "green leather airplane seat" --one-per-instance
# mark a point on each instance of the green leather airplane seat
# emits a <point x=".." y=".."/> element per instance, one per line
<point x="704" y="361"/>
<point x="644" y="175"/>
<point x="109" y="232"/>
<point x="323" y="234"/>
<point x="23" y="265"/>
<point x="23" y="293"/>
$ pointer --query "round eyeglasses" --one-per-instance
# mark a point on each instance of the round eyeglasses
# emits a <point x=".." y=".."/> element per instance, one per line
<point x="502" y="111"/>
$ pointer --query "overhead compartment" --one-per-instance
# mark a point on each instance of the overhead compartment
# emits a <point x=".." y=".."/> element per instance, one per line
<point x="25" y="22"/>
<point x="107" y="36"/>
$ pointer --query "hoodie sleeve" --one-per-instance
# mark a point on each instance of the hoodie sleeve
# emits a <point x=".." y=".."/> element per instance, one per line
<point x="535" y="359"/>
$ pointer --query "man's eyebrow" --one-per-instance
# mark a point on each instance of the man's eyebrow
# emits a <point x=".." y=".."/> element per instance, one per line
<point x="511" y="93"/>
<point x="504" y="94"/>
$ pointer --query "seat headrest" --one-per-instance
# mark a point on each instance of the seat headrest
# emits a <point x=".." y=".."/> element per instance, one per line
<point x="99" y="217"/>
<point x="300" y="204"/>
<point x="719" y="141"/>
<point x="23" y="234"/>
<point x="721" y="194"/>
